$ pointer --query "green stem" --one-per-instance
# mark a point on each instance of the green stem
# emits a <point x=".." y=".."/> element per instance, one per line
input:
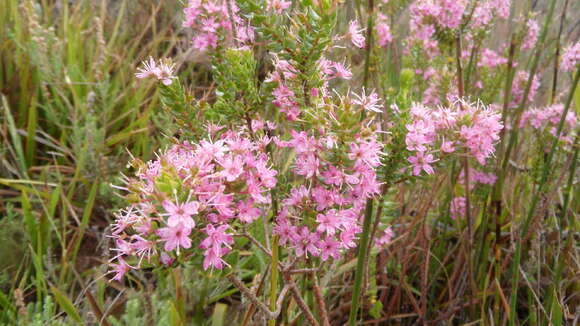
<point x="361" y="258"/>
<point x="369" y="42"/>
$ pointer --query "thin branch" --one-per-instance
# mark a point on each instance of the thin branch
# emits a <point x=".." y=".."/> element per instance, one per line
<point x="320" y="302"/>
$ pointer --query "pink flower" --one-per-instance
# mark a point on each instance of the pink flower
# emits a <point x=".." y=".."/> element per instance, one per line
<point x="216" y="237"/>
<point x="211" y="20"/>
<point x="571" y="57"/>
<point x="458" y="207"/>
<point x="482" y="15"/>
<point x="383" y="31"/>
<point x="333" y="176"/>
<point x="124" y="218"/>
<point x="491" y="59"/>
<point x="447" y="147"/>
<point x="355" y="34"/>
<point x="518" y="88"/>
<point x="347" y="238"/>
<point x="329" y="222"/>
<point x="532" y="36"/>
<point x="341" y="71"/>
<point x="202" y="172"/>
<point x="165" y="259"/>
<point x="148" y="70"/>
<point x="329" y="248"/>
<point x="502" y="7"/>
<point x="286" y="232"/>
<point x="416" y="141"/>
<point x="297" y="196"/>
<point x="369" y="103"/>
<point x="267" y="176"/>
<point x="181" y="213"/>
<point x="204" y="41"/>
<point x="143" y="247"/>
<point x="247" y="213"/>
<point x="422" y="162"/>
<point x="162" y="71"/>
<point x="175" y="237"/>
<point x="323" y="198"/>
<point x="278" y="5"/>
<point x="366" y="152"/>
<point x="308" y="167"/>
<point x="213" y="258"/>
<point x="120" y="269"/>
<point x="233" y="168"/>
<point x="386" y="238"/>
<point x="306" y="243"/>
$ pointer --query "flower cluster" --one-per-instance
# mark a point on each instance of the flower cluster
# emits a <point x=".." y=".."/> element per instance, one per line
<point x="491" y="59"/>
<point x="485" y="11"/>
<point x="463" y="128"/>
<point x="571" y="57"/>
<point x="458" y="207"/>
<point x="216" y="21"/>
<point x="519" y="86"/>
<point x="532" y="36"/>
<point x="547" y="118"/>
<point x="383" y="31"/>
<point x="477" y="177"/>
<point x="320" y="216"/>
<point x="285" y="75"/>
<point x="191" y="191"/>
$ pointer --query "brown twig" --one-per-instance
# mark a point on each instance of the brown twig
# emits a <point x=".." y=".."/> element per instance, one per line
<point x="299" y="300"/>
<point x="320" y="302"/>
<point x="251" y="296"/>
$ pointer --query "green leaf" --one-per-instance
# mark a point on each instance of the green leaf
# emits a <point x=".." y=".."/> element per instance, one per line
<point x="376" y="310"/>
<point x="219" y="314"/>
<point x="66" y="305"/>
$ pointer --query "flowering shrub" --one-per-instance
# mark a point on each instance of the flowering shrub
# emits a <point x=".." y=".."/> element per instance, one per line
<point x="204" y="190"/>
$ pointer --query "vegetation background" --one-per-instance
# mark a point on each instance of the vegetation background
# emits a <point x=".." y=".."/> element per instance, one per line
<point x="71" y="111"/>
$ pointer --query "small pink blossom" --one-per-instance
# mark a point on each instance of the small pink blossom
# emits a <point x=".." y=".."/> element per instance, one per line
<point x="247" y="213"/>
<point x="329" y="248"/>
<point x="181" y="213"/>
<point x="278" y="5"/>
<point x="307" y="242"/>
<point x="370" y="102"/>
<point x="355" y="34"/>
<point x="422" y="162"/>
<point x="491" y="59"/>
<point x="341" y="71"/>
<point x="162" y="71"/>
<point x="532" y="36"/>
<point x="119" y="269"/>
<point x="175" y="237"/>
